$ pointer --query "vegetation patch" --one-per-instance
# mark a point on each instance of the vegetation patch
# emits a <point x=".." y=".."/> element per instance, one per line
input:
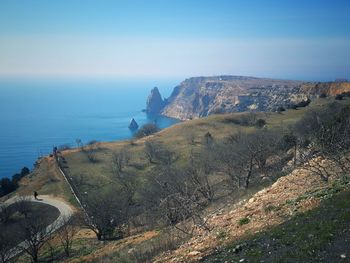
<point x="243" y="221"/>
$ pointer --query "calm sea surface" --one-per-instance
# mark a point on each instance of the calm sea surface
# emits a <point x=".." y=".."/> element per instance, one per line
<point x="35" y="115"/>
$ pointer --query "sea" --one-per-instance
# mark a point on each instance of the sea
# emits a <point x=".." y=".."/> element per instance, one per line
<point x="37" y="114"/>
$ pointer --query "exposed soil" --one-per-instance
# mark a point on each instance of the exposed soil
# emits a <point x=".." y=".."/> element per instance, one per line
<point x="269" y="207"/>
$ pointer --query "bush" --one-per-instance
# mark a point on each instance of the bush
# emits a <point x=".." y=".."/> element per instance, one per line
<point x="147" y="130"/>
<point x="303" y="103"/>
<point x="339" y="97"/>
<point x="260" y="123"/>
<point x="243" y="221"/>
<point x="292" y="106"/>
<point x="280" y="109"/>
<point x="244" y="119"/>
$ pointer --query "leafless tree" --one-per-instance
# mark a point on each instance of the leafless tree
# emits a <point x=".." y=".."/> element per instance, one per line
<point x="151" y="151"/>
<point x="5" y="213"/>
<point x="244" y="155"/>
<point x="91" y="150"/>
<point x="120" y="160"/>
<point x="199" y="171"/>
<point x="178" y="199"/>
<point x="67" y="232"/>
<point x="23" y="206"/>
<point x="35" y="233"/>
<point x="106" y="214"/>
<point x="156" y="153"/>
<point x="79" y="143"/>
<point x="191" y="137"/>
<point x="7" y="244"/>
<point x="327" y="132"/>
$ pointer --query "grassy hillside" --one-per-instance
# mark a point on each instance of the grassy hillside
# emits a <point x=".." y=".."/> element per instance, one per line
<point x="95" y="176"/>
<point x="232" y="215"/>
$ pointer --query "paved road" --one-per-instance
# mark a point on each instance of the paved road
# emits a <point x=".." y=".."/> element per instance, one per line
<point x="64" y="209"/>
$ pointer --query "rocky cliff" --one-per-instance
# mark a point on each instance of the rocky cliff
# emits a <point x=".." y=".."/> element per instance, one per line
<point x="201" y="96"/>
<point x="155" y="102"/>
<point x="327" y="88"/>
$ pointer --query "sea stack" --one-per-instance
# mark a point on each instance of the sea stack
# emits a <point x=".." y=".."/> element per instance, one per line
<point x="133" y="124"/>
<point x="155" y="103"/>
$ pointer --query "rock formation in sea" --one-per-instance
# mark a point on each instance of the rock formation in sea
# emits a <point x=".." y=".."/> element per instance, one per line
<point x="155" y="103"/>
<point x="133" y="124"/>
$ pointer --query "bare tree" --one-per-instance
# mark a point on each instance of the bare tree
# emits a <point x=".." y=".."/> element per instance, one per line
<point x="67" y="232"/>
<point x="199" y="170"/>
<point x="91" y="150"/>
<point x="156" y="153"/>
<point x="328" y="135"/>
<point x="5" y="213"/>
<point x="7" y="244"/>
<point x="190" y="137"/>
<point x="151" y="151"/>
<point x="120" y="160"/>
<point x="79" y="143"/>
<point x="106" y="214"/>
<point x="178" y="199"/>
<point x="23" y="206"/>
<point x="244" y="155"/>
<point x="35" y="234"/>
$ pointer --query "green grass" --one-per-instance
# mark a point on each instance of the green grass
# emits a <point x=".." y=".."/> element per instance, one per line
<point x="313" y="236"/>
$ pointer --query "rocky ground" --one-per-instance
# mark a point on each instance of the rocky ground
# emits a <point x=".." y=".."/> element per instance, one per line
<point x="272" y="206"/>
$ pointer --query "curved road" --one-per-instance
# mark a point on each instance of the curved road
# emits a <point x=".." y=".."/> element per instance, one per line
<point x="64" y="209"/>
<point x="65" y="212"/>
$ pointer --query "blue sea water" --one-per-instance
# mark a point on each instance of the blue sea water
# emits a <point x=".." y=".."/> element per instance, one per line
<point x="36" y="115"/>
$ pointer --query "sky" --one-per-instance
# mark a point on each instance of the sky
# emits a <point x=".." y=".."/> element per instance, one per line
<point x="306" y="40"/>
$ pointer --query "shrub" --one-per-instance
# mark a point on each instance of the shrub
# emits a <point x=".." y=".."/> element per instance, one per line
<point x="244" y="119"/>
<point x="260" y="123"/>
<point x="303" y="103"/>
<point x="292" y="106"/>
<point x="280" y="109"/>
<point x="243" y="221"/>
<point x="339" y="97"/>
<point x="147" y="130"/>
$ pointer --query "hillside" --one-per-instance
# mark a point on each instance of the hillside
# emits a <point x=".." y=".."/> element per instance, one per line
<point x="108" y="173"/>
<point x="202" y="96"/>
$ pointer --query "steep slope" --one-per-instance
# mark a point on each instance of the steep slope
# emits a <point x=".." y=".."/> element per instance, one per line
<point x="155" y="102"/>
<point x="327" y="88"/>
<point x="202" y="96"/>
<point x="289" y="196"/>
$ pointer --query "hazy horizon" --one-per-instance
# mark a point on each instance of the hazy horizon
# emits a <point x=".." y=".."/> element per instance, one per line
<point x="157" y="39"/>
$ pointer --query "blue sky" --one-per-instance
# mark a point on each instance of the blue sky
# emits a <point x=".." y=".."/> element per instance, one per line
<point x="286" y="39"/>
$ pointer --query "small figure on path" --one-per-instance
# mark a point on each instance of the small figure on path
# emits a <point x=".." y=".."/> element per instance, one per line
<point x="36" y="195"/>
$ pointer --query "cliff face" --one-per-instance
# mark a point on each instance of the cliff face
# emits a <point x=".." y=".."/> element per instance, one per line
<point x="327" y="88"/>
<point x="155" y="102"/>
<point x="201" y="96"/>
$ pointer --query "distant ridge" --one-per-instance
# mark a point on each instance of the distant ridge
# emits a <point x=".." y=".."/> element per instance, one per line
<point x="202" y="96"/>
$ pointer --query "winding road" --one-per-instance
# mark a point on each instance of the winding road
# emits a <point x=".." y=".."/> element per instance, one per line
<point x="65" y="212"/>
